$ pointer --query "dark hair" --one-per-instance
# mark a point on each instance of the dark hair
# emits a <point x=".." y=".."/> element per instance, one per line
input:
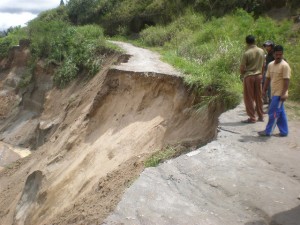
<point x="250" y="39"/>
<point x="278" y="48"/>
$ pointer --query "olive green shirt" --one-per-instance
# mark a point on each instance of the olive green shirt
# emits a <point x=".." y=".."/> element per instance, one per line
<point x="253" y="60"/>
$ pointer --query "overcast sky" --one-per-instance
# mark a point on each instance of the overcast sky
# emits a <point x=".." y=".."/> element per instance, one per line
<point x="18" y="12"/>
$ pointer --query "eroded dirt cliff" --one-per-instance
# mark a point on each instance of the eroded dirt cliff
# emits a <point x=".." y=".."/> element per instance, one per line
<point x="89" y="140"/>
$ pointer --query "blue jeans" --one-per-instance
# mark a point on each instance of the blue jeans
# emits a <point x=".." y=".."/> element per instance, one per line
<point x="277" y="116"/>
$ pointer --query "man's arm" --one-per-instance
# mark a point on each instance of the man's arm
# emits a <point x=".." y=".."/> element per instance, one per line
<point x="242" y="69"/>
<point x="266" y="85"/>
<point x="284" y="95"/>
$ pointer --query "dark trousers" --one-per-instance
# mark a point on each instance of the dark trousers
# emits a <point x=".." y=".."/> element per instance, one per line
<point x="253" y="96"/>
<point x="268" y="94"/>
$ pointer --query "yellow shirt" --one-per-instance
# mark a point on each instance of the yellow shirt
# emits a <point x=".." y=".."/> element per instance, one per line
<point x="277" y="73"/>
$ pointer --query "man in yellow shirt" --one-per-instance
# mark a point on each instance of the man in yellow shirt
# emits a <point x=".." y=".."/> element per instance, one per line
<point x="278" y="74"/>
<point x="251" y="70"/>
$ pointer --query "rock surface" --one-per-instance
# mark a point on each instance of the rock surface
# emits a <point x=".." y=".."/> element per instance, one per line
<point x="238" y="179"/>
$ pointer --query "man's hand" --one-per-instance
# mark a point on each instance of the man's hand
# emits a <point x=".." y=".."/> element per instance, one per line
<point x="263" y="93"/>
<point x="284" y="94"/>
<point x="283" y="97"/>
<point x="242" y="77"/>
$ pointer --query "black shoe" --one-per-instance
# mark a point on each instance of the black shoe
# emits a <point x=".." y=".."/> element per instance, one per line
<point x="248" y="121"/>
<point x="280" y="135"/>
<point x="263" y="134"/>
<point x="260" y="120"/>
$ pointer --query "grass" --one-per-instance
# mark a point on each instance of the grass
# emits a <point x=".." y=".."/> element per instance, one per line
<point x="164" y="154"/>
<point x="293" y="110"/>
<point x="161" y="156"/>
<point x="208" y="51"/>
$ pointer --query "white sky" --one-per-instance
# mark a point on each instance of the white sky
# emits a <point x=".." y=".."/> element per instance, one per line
<point x="19" y="12"/>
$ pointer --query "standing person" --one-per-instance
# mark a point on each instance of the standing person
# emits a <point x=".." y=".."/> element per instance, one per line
<point x="269" y="47"/>
<point x="251" y="71"/>
<point x="278" y="74"/>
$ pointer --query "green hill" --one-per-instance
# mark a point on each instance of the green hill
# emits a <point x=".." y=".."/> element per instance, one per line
<point x="204" y="39"/>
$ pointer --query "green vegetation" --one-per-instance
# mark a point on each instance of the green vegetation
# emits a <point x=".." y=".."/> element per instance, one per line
<point x="76" y="49"/>
<point x="73" y="49"/>
<point x="15" y="35"/>
<point x="161" y="156"/>
<point x="204" y="39"/>
<point x="208" y="52"/>
<point x="292" y="55"/>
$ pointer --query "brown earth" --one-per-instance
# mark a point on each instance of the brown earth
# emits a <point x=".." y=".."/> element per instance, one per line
<point x="89" y="140"/>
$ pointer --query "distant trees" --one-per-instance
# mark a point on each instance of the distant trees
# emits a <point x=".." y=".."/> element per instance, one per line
<point x="127" y="16"/>
<point x="82" y="11"/>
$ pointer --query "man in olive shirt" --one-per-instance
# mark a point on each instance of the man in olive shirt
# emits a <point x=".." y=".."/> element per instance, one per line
<point x="251" y="71"/>
<point x="278" y="73"/>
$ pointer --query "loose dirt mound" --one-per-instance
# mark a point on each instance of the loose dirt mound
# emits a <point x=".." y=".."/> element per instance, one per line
<point x="93" y="138"/>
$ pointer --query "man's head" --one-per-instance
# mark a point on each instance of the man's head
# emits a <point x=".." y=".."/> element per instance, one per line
<point x="269" y="45"/>
<point x="250" y="40"/>
<point x="278" y="53"/>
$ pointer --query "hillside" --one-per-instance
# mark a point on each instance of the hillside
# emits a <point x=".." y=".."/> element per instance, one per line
<point x="90" y="139"/>
<point x="74" y="140"/>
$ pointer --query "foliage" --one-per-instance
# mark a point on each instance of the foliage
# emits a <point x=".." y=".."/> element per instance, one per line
<point x="81" y="11"/>
<point x="133" y="15"/>
<point x="46" y="37"/>
<point x="74" y="59"/>
<point x="73" y="49"/>
<point x="57" y="14"/>
<point x="14" y="35"/>
<point x="161" y="156"/>
<point x="209" y="52"/>
<point x="205" y="46"/>
<point x="292" y="55"/>
<point x="219" y="7"/>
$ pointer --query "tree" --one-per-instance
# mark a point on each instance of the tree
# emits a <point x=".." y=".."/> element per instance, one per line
<point x="62" y="2"/>
<point x="82" y="11"/>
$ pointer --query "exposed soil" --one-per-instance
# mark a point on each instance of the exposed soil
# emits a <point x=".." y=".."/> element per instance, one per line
<point x="68" y="155"/>
<point x="89" y="140"/>
<point x="237" y="179"/>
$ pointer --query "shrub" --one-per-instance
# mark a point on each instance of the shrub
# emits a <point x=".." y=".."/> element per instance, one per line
<point x="209" y="52"/>
<point x="81" y="11"/>
<point x="46" y="37"/>
<point x="66" y="72"/>
<point x="77" y="59"/>
<point x="73" y="49"/>
<point x="14" y="35"/>
<point x="156" y="36"/>
<point x="292" y="55"/>
<point x="59" y="13"/>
